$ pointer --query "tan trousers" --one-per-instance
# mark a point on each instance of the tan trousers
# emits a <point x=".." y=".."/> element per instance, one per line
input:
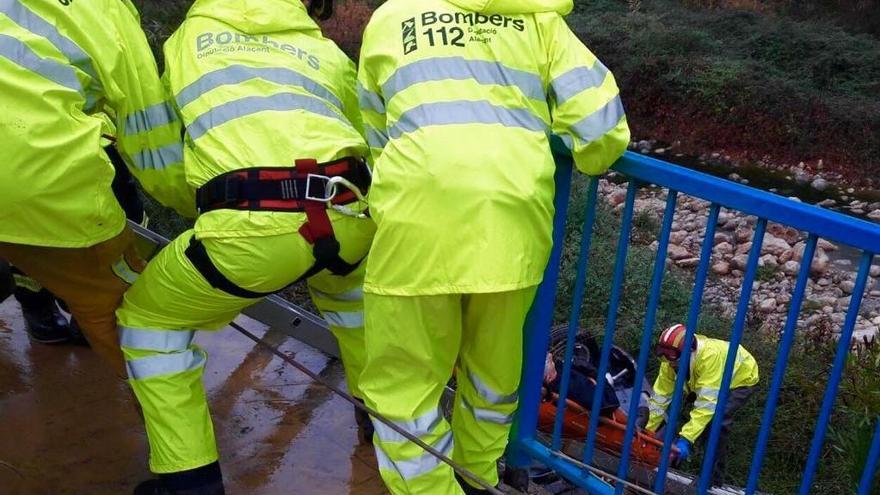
<point x="90" y="280"/>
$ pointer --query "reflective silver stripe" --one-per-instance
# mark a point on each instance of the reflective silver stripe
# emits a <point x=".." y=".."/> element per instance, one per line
<point x="375" y="138"/>
<point x="600" y="122"/>
<point x="465" y="112"/>
<point x="369" y="100"/>
<point x="576" y="81"/>
<point x="488" y="394"/>
<point x="236" y="74"/>
<point x="417" y="466"/>
<point x="705" y="405"/>
<point x="250" y="105"/>
<point x="657" y="409"/>
<point x="149" y="339"/>
<point x="344" y="319"/>
<point x="39" y="26"/>
<point x="165" y="364"/>
<point x="708" y="393"/>
<point x="661" y="399"/>
<point x="122" y="270"/>
<point x="487" y="415"/>
<point x="150" y="118"/>
<point x="159" y="158"/>
<point x="460" y="69"/>
<point x="418" y="427"/>
<point x="353" y="295"/>
<point x="20" y="54"/>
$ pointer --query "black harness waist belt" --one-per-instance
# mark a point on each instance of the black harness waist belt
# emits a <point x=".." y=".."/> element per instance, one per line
<point x="285" y="189"/>
<point x="310" y="188"/>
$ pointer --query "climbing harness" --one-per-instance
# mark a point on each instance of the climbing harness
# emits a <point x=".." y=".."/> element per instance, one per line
<point x="311" y="188"/>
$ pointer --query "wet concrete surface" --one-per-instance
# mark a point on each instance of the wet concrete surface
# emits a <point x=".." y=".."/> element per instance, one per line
<point x="68" y="426"/>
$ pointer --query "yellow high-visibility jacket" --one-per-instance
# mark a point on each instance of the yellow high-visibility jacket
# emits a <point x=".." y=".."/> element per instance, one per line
<point x="257" y="85"/>
<point x="73" y="73"/>
<point x="706" y="370"/>
<point x="459" y="98"/>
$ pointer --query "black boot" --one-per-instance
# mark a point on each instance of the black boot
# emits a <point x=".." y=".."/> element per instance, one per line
<point x="76" y="335"/>
<point x="468" y="489"/>
<point x="7" y="283"/>
<point x="364" y="424"/>
<point x="206" y="480"/>
<point x="44" y="322"/>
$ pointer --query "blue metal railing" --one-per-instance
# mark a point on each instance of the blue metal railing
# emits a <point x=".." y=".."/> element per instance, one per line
<point x="526" y="446"/>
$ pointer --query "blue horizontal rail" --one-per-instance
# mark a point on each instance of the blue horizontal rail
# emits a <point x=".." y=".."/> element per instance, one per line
<point x="527" y="446"/>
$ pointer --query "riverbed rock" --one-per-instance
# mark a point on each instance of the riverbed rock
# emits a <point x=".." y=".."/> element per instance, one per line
<point x="744" y="248"/>
<point x="825" y="203"/>
<point x="774" y="245"/>
<point x="688" y="262"/>
<point x="677" y="237"/>
<point x="617" y="197"/>
<point x="724" y="248"/>
<point x="676" y="252"/>
<point x="791" y="267"/>
<point x="819" y="184"/>
<point x="842" y="303"/>
<point x="875" y="271"/>
<point x="802" y="178"/>
<point x="826" y="245"/>
<point x="721" y="268"/>
<point x="740" y="261"/>
<point x="767" y="305"/>
<point x="742" y="234"/>
<point x="874" y="215"/>
<point x="769" y="261"/>
<point x="820" y="263"/>
<point x="847" y="286"/>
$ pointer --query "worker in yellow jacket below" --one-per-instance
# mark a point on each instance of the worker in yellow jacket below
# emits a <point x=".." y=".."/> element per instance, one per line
<point x="75" y="77"/>
<point x="459" y="99"/>
<point x="275" y="149"/>
<point x="708" y="357"/>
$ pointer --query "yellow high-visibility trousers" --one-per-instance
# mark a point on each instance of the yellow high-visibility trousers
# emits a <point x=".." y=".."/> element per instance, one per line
<point x="171" y="300"/>
<point x="414" y="343"/>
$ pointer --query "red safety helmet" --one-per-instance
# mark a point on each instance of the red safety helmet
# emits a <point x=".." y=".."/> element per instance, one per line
<point x="671" y="343"/>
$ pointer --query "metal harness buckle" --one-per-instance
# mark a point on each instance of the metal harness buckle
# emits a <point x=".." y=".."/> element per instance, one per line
<point x="329" y="188"/>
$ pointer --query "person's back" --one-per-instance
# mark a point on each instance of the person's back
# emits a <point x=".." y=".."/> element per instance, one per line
<point x="65" y="67"/>
<point x="257" y="85"/>
<point x="461" y="99"/>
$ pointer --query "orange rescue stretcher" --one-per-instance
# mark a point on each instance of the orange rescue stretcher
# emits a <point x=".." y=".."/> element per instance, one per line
<point x="645" y="448"/>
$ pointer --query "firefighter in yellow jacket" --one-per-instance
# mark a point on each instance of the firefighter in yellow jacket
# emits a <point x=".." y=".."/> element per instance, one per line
<point x="706" y="370"/>
<point x="459" y="98"/>
<point x="274" y="147"/>
<point x="73" y="77"/>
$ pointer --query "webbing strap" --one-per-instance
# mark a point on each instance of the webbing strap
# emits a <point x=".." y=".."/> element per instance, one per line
<point x="198" y="256"/>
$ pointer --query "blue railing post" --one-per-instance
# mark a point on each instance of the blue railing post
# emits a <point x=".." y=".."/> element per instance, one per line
<point x="647" y="336"/>
<point x="781" y="363"/>
<point x="843" y="347"/>
<point x="870" y="471"/>
<point x="611" y="322"/>
<point x="537" y="329"/>
<point x="684" y="362"/>
<point x="736" y="337"/>
<point x="577" y="304"/>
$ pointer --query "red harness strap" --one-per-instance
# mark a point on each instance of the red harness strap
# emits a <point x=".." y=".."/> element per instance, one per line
<point x="317" y="224"/>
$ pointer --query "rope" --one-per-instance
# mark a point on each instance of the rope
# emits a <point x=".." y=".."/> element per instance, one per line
<point x="336" y="390"/>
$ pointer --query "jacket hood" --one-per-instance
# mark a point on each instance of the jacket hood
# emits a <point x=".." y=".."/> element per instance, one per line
<point x="562" y="7"/>
<point x="257" y="16"/>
